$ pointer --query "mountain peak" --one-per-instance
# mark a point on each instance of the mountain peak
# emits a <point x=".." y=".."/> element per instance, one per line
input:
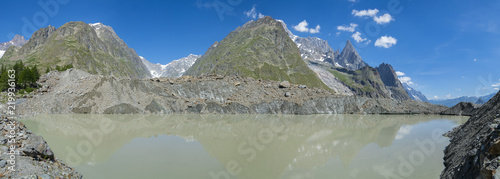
<point x="391" y="81"/>
<point x="348" y="46"/>
<point x="18" y="38"/>
<point x="265" y="51"/>
<point x="349" y="57"/>
<point x="348" y="43"/>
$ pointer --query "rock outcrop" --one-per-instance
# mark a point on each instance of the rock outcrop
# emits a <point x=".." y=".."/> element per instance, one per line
<point x="33" y="158"/>
<point x="474" y="149"/>
<point x="75" y="91"/>
<point x="462" y="109"/>
<point x="392" y="83"/>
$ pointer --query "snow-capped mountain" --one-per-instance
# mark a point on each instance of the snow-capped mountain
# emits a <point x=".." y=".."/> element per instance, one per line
<point x="17" y="41"/>
<point x="314" y="49"/>
<point x="414" y="94"/>
<point x="175" y="68"/>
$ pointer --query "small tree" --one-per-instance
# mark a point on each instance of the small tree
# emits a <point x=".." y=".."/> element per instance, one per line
<point x="25" y="77"/>
<point x="3" y="80"/>
<point x="47" y="70"/>
<point x="35" y="74"/>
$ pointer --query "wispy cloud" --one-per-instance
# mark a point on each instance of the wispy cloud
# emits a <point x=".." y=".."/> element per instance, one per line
<point x="353" y="0"/>
<point x="304" y="27"/>
<point x="357" y="37"/>
<point x="253" y="13"/>
<point x="363" y="13"/>
<point x="350" y="28"/>
<point x="383" y="19"/>
<point x="385" y="42"/>
<point x="201" y="4"/>
<point x="496" y="85"/>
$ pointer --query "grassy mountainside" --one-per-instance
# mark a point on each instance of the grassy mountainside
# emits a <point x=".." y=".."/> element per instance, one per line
<point x="259" y="49"/>
<point x="364" y="82"/>
<point x="95" y="50"/>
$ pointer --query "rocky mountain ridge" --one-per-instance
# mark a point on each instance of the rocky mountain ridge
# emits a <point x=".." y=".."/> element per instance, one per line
<point x="95" y="48"/>
<point x="346" y="69"/>
<point x="314" y="49"/>
<point x="259" y="49"/>
<point x="176" y="68"/>
<point x="17" y="41"/>
<point x="414" y="94"/>
<point x="455" y="101"/>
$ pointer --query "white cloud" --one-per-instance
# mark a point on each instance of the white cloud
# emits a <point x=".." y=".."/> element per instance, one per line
<point x="406" y="79"/>
<point x="498" y="89"/>
<point x="362" y="13"/>
<point x="475" y="60"/>
<point x="316" y="30"/>
<point x="303" y="27"/>
<point x="253" y="13"/>
<point x="385" y="41"/>
<point x="353" y="0"/>
<point x="383" y="19"/>
<point x="496" y="84"/>
<point x="436" y="97"/>
<point x="448" y="96"/>
<point x="349" y="28"/>
<point x="261" y="15"/>
<point x="458" y="89"/>
<point x="357" y="37"/>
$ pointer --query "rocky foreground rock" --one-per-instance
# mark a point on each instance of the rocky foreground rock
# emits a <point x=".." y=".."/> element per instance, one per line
<point x="75" y="91"/>
<point x="474" y="151"/>
<point x="31" y="157"/>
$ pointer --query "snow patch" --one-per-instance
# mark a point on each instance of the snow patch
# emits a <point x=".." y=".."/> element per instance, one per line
<point x="338" y="65"/>
<point x="1" y="53"/>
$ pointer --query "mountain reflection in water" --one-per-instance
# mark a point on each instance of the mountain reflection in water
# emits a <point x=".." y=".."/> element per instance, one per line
<point x="248" y="146"/>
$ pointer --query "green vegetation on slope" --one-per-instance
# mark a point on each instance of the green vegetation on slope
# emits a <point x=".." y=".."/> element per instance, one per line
<point x="25" y="77"/>
<point x="365" y="81"/>
<point x="261" y="50"/>
<point x="77" y="43"/>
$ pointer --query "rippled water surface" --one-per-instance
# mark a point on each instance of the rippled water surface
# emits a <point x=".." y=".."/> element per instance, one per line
<point x="248" y="146"/>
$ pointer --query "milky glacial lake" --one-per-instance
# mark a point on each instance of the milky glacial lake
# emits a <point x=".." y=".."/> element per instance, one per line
<point x="248" y="146"/>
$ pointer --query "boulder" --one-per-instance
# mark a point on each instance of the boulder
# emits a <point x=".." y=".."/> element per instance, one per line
<point x="285" y="84"/>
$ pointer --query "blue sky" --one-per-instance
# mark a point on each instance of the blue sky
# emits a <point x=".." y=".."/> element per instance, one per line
<point x="447" y="48"/>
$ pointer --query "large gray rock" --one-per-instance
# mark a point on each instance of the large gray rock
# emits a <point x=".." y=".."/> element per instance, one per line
<point x="36" y="147"/>
<point x="34" y="159"/>
<point x="474" y="149"/>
